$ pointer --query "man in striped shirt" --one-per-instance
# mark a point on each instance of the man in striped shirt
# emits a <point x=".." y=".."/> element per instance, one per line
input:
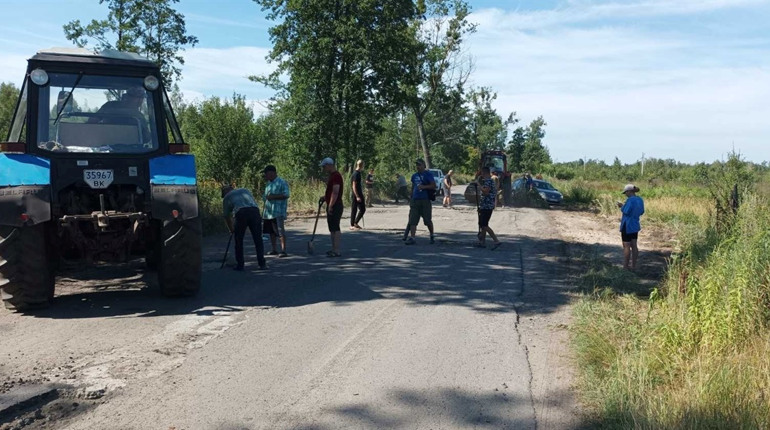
<point x="276" y="202"/>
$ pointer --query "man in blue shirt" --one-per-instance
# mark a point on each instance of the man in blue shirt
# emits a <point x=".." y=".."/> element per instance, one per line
<point x="629" y="225"/>
<point x="276" y="202"/>
<point x="420" y="205"/>
<point x="240" y="204"/>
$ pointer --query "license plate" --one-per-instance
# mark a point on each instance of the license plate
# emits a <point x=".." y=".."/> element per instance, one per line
<point x="98" y="178"/>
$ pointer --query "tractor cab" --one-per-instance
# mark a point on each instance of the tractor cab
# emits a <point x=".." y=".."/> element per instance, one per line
<point x="95" y="169"/>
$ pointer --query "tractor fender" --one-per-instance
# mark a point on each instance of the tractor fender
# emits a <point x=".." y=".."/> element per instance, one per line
<point x="25" y="189"/>
<point x="173" y="186"/>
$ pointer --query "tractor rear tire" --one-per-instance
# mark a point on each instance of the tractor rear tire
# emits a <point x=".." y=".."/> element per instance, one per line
<point x="27" y="261"/>
<point x="180" y="265"/>
<point x="507" y="192"/>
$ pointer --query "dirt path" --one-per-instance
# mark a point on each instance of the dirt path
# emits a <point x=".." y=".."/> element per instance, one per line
<point x="388" y="336"/>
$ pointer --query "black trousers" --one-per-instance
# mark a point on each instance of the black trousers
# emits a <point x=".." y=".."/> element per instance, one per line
<point x="251" y="219"/>
<point x="357" y="207"/>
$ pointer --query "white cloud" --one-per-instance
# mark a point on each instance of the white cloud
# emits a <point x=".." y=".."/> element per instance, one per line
<point x="222" y="72"/>
<point x="580" y="11"/>
<point x="606" y="89"/>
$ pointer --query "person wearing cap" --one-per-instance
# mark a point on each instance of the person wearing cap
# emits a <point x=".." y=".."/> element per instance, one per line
<point x="448" y="189"/>
<point x="129" y="106"/>
<point x="239" y="204"/>
<point x="357" y="205"/>
<point x="369" y="188"/>
<point x="334" y="207"/>
<point x="420" y="206"/>
<point x="632" y="209"/>
<point x="276" y="202"/>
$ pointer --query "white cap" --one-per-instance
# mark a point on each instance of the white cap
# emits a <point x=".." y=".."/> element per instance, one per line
<point x="326" y="161"/>
<point x="630" y="187"/>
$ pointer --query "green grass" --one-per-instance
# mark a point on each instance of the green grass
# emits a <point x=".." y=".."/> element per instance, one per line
<point x="693" y="355"/>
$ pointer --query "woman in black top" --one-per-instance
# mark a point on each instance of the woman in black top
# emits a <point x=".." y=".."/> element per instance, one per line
<point x="448" y="189"/>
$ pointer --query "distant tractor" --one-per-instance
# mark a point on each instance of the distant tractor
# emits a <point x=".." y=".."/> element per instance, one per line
<point x="497" y="161"/>
<point x="95" y="169"/>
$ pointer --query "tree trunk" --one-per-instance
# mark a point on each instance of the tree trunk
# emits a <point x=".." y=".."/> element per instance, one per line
<point x="421" y="134"/>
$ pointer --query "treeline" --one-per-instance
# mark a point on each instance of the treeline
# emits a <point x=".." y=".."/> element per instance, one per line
<point x="657" y="170"/>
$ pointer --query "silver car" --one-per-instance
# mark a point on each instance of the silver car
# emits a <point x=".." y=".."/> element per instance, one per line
<point x="438" y="175"/>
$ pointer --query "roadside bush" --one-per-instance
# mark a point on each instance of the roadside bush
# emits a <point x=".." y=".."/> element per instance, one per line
<point x="579" y="193"/>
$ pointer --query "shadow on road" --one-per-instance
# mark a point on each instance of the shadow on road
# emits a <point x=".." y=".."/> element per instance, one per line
<point x="532" y="274"/>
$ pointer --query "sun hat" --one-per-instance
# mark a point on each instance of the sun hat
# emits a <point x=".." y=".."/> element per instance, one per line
<point x="326" y="161"/>
<point x="630" y="187"/>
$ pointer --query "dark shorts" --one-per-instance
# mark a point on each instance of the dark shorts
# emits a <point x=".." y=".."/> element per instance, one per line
<point x="420" y="209"/>
<point x="274" y="227"/>
<point x="628" y="237"/>
<point x="333" y="219"/>
<point x="484" y="216"/>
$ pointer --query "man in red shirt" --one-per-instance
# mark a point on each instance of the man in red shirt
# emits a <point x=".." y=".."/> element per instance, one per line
<point x="334" y="207"/>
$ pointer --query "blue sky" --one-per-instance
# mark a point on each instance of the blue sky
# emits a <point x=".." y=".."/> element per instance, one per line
<point x="681" y="79"/>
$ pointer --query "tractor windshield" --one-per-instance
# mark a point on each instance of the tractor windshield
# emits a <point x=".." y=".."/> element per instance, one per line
<point x="495" y="163"/>
<point x="95" y="113"/>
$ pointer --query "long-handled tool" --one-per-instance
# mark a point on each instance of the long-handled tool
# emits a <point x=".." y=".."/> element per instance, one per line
<point x="478" y="210"/>
<point x="224" y="260"/>
<point x="317" y="215"/>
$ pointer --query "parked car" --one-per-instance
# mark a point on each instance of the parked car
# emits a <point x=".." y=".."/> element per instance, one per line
<point x="438" y="175"/>
<point x="551" y="195"/>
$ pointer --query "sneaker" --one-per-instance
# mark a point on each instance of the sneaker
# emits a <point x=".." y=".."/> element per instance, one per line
<point x="272" y="253"/>
<point x="409" y="241"/>
<point x="479" y="245"/>
<point x="283" y="254"/>
<point x="432" y="240"/>
<point x="263" y="267"/>
<point x="496" y="245"/>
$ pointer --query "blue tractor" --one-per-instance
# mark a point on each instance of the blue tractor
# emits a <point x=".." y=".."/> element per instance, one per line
<point x="94" y="169"/>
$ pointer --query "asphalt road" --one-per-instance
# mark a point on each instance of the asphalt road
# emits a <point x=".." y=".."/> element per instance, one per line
<point x="439" y="336"/>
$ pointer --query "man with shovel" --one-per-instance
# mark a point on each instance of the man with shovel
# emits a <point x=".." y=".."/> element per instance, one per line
<point x="334" y="208"/>
<point x="240" y="204"/>
<point x="276" y="202"/>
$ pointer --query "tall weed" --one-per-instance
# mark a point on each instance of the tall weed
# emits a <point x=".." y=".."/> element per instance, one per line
<point x="694" y="354"/>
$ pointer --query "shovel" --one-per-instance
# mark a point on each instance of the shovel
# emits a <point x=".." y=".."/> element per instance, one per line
<point x="317" y="215"/>
<point x="224" y="260"/>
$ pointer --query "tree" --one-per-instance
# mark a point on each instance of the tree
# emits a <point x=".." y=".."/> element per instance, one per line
<point x="9" y="95"/>
<point x="535" y="155"/>
<point x="224" y="138"/>
<point x="337" y="54"/>
<point x="436" y="66"/>
<point x="487" y="129"/>
<point x="515" y="148"/>
<point x="152" y="28"/>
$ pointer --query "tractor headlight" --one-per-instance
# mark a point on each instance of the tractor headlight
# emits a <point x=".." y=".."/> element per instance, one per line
<point x="151" y="83"/>
<point x="39" y="77"/>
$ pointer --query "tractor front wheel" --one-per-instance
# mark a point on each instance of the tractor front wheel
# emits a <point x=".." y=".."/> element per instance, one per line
<point x="179" y="266"/>
<point x="27" y="260"/>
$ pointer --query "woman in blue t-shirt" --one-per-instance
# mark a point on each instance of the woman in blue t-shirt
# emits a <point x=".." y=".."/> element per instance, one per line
<point x="632" y="209"/>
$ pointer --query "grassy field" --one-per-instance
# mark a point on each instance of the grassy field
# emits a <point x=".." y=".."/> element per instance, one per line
<point x="691" y="353"/>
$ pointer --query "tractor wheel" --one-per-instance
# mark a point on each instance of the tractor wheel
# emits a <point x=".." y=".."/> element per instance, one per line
<point x="152" y="245"/>
<point x="179" y="268"/>
<point x="27" y="260"/>
<point x="507" y="191"/>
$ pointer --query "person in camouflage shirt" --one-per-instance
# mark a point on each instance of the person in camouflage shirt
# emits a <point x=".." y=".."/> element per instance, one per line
<point x="487" y="203"/>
